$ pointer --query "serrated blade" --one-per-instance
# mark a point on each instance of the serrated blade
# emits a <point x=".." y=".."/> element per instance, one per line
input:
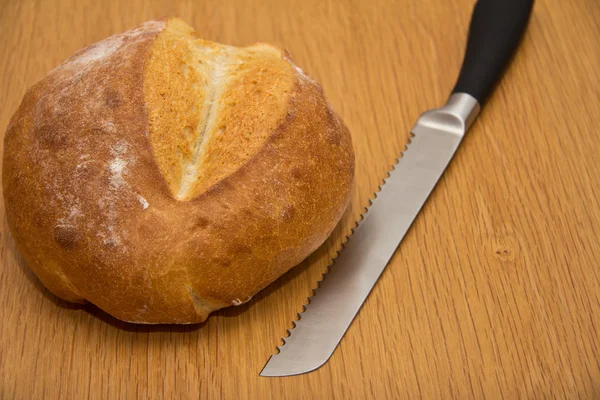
<point x="337" y="300"/>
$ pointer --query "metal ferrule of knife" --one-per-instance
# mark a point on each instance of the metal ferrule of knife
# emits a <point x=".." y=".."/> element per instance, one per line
<point x="455" y="117"/>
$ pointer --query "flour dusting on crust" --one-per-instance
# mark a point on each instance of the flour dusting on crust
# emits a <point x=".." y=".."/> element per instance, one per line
<point x="97" y="178"/>
<point x="117" y="167"/>
<point x="302" y="74"/>
<point x="103" y="49"/>
<point x="99" y="50"/>
<point x="238" y="302"/>
<point x="143" y="202"/>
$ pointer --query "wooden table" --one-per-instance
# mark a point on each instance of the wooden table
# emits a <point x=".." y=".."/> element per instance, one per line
<point x="495" y="291"/>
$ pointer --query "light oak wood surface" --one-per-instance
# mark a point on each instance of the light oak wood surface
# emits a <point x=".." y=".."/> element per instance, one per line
<point x="495" y="291"/>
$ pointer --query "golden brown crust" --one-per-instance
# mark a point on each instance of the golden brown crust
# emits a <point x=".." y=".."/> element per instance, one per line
<point x="94" y="218"/>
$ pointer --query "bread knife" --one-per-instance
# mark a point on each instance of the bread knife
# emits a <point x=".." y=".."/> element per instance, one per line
<point x="495" y="31"/>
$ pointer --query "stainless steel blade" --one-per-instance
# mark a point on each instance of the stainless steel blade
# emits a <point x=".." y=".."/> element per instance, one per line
<point x="337" y="300"/>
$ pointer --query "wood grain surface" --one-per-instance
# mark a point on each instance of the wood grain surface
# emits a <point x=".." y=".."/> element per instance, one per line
<point x="495" y="291"/>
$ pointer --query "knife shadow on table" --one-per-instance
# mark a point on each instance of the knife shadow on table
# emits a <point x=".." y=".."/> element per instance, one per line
<point x="322" y="251"/>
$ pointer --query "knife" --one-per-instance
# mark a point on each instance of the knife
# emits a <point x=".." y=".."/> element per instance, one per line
<point x="495" y="31"/>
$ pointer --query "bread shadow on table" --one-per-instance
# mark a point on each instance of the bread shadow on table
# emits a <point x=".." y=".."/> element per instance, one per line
<point x="279" y="284"/>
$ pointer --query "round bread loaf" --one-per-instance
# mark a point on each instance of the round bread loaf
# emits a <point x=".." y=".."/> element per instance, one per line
<point x="161" y="177"/>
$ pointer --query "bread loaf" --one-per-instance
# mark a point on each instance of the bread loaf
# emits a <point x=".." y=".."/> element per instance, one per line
<point x="161" y="177"/>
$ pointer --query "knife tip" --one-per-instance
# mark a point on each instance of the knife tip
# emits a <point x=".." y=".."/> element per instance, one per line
<point x="280" y="367"/>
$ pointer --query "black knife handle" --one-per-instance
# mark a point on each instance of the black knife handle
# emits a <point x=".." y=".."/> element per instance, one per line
<point x="496" y="29"/>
